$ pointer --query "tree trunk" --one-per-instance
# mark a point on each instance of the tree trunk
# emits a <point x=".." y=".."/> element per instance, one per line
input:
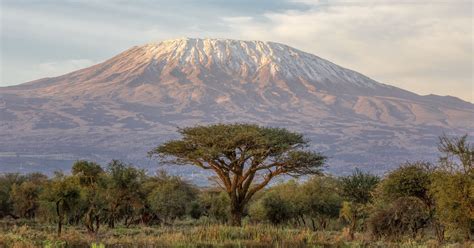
<point x="297" y="221"/>
<point x="97" y="223"/>
<point x="302" y="219"/>
<point x="112" y="222"/>
<point x="236" y="218"/>
<point x="352" y="230"/>
<point x="60" y="224"/>
<point x="236" y="214"/>
<point x="60" y="218"/>
<point x="439" y="231"/>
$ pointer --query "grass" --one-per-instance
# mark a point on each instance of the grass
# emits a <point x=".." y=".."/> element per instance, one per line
<point x="36" y="235"/>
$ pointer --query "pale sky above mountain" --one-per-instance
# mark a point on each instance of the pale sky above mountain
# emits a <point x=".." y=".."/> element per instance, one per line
<point x="421" y="46"/>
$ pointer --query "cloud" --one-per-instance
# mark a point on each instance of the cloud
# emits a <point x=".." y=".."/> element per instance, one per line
<point x="57" y="68"/>
<point x="29" y="72"/>
<point x="423" y="46"/>
<point x="417" y="46"/>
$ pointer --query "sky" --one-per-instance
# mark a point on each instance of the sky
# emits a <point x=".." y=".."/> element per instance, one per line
<point x="422" y="46"/>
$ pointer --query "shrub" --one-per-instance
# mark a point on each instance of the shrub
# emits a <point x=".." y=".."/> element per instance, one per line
<point x="406" y="216"/>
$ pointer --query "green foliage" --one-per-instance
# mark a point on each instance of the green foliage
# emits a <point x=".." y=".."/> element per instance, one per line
<point x="410" y="179"/>
<point x="277" y="210"/>
<point x="25" y="198"/>
<point x="357" y="189"/>
<point x="454" y="197"/>
<point x="62" y="196"/>
<point x="7" y="181"/>
<point x="313" y="203"/>
<point x="453" y="185"/>
<point x="171" y="197"/>
<point x="321" y="196"/>
<point x="352" y="213"/>
<point x="124" y="192"/>
<point x="359" y="186"/>
<point x="88" y="172"/>
<point x="216" y="205"/>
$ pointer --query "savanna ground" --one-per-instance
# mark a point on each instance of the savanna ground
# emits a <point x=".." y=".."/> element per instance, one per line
<point x="418" y="204"/>
<point x="16" y="234"/>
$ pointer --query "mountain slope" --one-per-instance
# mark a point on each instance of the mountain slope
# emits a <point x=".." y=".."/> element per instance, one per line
<point x="125" y="105"/>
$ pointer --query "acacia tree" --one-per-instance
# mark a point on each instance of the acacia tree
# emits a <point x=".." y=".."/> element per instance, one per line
<point x="123" y="193"/>
<point x="322" y="199"/>
<point x="64" y="193"/>
<point x="453" y="184"/>
<point x="357" y="189"/>
<point x="244" y="157"/>
<point x="91" y="180"/>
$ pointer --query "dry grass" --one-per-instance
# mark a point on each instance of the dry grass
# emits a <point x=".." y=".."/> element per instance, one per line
<point x="31" y="235"/>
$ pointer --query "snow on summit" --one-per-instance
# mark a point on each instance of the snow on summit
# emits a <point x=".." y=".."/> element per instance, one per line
<point x="248" y="58"/>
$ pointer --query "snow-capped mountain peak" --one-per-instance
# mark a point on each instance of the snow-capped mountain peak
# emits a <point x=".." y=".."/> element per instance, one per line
<point x="249" y="59"/>
<point x="133" y="101"/>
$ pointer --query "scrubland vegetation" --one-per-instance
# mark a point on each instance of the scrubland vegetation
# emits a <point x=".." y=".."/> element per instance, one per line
<point x="418" y="204"/>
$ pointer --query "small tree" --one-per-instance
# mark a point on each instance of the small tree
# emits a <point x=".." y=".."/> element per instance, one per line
<point x="453" y="184"/>
<point x="322" y="199"/>
<point x="405" y="216"/>
<point x="276" y="209"/>
<point x="88" y="172"/>
<point x="64" y="193"/>
<point x="25" y="199"/>
<point x="457" y="154"/>
<point x="7" y="182"/>
<point x="216" y="205"/>
<point x="410" y="179"/>
<point x="124" y="190"/>
<point x="239" y="154"/>
<point x="357" y="189"/>
<point x="171" y="198"/>
<point x="91" y="178"/>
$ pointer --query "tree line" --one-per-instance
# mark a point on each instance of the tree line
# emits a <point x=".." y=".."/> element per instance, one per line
<point x="413" y="200"/>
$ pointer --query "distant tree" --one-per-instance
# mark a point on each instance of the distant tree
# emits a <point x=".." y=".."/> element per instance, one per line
<point x="405" y="216"/>
<point x="293" y="201"/>
<point x="351" y="213"/>
<point x="457" y="154"/>
<point x="321" y="196"/>
<point x="280" y="204"/>
<point x="359" y="186"/>
<point x="453" y="185"/>
<point x="216" y="205"/>
<point x="124" y="191"/>
<point x="7" y="181"/>
<point x="196" y="210"/>
<point x="357" y="190"/>
<point x="91" y="177"/>
<point x="88" y="172"/>
<point x="25" y="198"/>
<point x="171" y="198"/>
<point x="239" y="154"/>
<point x="64" y="194"/>
<point x="277" y="210"/>
<point x="410" y="179"/>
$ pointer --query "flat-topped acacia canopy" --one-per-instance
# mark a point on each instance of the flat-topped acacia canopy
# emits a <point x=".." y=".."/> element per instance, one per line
<point x="241" y="153"/>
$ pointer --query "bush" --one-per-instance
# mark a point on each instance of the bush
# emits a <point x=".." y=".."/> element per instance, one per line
<point x="406" y="216"/>
<point x="277" y="210"/>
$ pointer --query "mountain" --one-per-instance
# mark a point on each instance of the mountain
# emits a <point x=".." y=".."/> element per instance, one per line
<point x="123" y="107"/>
